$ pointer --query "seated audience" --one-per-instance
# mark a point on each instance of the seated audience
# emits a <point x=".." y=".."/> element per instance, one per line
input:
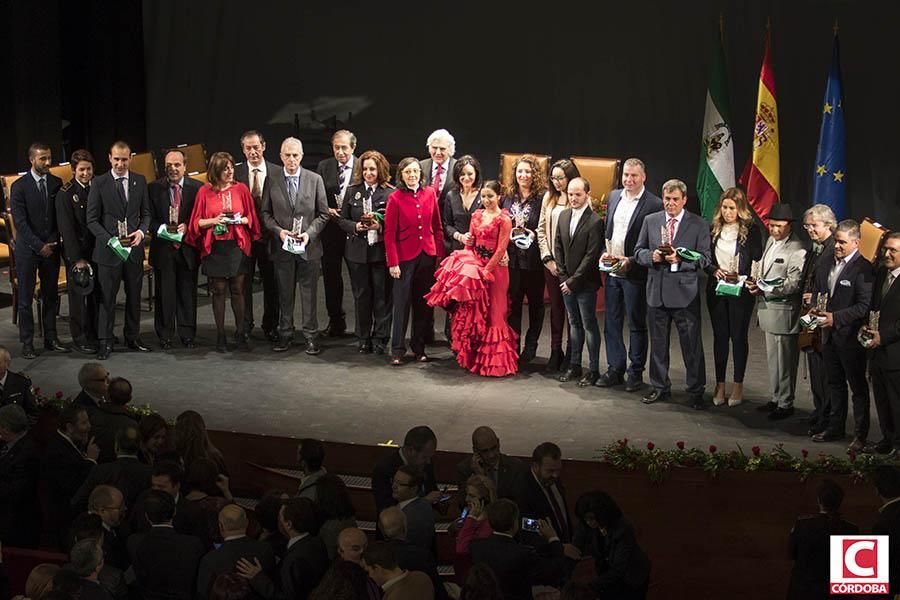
<point x="310" y="459"/>
<point x="541" y="494"/>
<point x="20" y="511"/>
<point x="518" y="567"/>
<point x="69" y="457"/>
<point x="479" y="495"/>
<point x="623" y="570"/>
<point x="208" y="495"/>
<point x="108" y="503"/>
<point x="380" y="562"/>
<point x="506" y="472"/>
<point x="352" y="543"/>
<point x="419" y="514"/>
<point x="154" y="432"/>
<point x="86" y="560"/>
<point x="334" y="510"/>
<point x="40" y="581"/>
<point x="192" y="441"/>
<point x="230" y="586"/>
<point x="235" y="545"/>
<point x="412" y="557"/>
<point x="165" y="562"/>
<point x="166" y="477"/>
<point x="93" y="378"/>
<point x="127" y="473"/>
<point x="266" y="512"/>
<point x="15" y="388"/>
<point x="887" y="484"/>
<point x="111" y="416"/>
<point x="334" y="586"/>
<point x="112" y="579"/>
<point x="419" y="446"/>
<point x="481" y="584"/>
<point x="809" y="544"/>
<point x="304" y="562"/>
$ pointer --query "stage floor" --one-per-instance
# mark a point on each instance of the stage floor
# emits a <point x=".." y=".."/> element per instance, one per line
<point x="343" y="396"/>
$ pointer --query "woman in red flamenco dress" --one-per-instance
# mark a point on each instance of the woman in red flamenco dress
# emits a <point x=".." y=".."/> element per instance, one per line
<point x="473" y="286"/>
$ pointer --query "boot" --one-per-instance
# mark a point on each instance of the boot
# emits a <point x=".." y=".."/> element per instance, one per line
<point x="556" y="358"/>
<point x="528" y="354"/>
<point x="719" y="394"/>
<point x="242" y="342"/>
<point x="737" y="394"/>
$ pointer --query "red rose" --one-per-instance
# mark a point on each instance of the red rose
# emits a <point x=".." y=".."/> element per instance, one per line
<point x="852" y="455"/>
<point x="804" y="452"/>
<point x="37" y="391"/>
<point x="680" y="445"/>
<point x="650" y="446"/>
<point x="712" y="449"/>
<point x="755" y="450"/>
<point x="59" y="394"/>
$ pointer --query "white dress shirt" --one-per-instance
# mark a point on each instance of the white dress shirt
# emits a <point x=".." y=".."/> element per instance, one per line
<point x="674" y="267"/>
<point x="836" y="269"/>
<point x="576" y="217"/>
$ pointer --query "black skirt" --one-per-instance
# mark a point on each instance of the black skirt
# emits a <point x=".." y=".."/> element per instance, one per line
<point x="224" y="260"/>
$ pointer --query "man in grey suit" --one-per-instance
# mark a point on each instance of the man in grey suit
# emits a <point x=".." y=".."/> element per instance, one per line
<point x="673" y="290"/>
<point x="778" y="309"/>
<point x="295" y="193"/>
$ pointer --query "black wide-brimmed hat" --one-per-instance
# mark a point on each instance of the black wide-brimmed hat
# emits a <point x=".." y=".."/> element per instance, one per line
<point x="781" y="212"/>
<point x="83" y="280"/>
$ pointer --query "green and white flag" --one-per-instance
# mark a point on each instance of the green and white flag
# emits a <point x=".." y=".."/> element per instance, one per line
<point x="716" y="173"/>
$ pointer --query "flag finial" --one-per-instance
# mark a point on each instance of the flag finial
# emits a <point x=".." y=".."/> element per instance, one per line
<point x="835" y="28"/>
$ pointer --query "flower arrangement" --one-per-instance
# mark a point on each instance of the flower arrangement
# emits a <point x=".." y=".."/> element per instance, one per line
<point x="658" y="462"/>
<point x="58" y="401"/>
<point x="599" y="206"/>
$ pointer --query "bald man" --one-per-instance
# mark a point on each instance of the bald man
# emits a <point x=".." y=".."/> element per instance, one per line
<point x="487" y="460"/>
<point x="236" y="545"/>
<point x="392" y="523"/>
<point x="352" y="543"/>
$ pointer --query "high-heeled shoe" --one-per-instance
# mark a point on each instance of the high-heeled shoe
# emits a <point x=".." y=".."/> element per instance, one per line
<point x="737" y="394"/>
<point x="242" y="342"/>
<point x="221" y="343"/>
<point x="719" y="394"/>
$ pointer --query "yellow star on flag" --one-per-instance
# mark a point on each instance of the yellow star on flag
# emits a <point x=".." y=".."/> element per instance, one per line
<point x="838" y="176"/>
<point x="821" y="170"/>
<point x="828" y="108"/>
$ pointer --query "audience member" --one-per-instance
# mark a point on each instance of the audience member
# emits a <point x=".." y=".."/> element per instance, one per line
<point x="809" y="544"/>
<point x="68" y="459"/>
<point x="235" y="545"/>
<point x="192" y="441"/>
<point x="267" y="511"/>
<point x="352" y="543"/>
<point x="40" y="581"/>
<point x="419" y="446"/>
<point x="419" y="514"/>
<point x="108" y="503"/>
<point x="94" y="381"/>
<point x="380" y="562"/>
<point x="15" y="388"/>
<point x="127" y="472"/>
<point x="154" y="432"/>
<point x="504" y="471"/>
<point x="66" y="585"/>
<point x="304" y="562"/>
<point x="541" y="494"/>
<point x="481" y="584"/>
<point x="335" y="585"/>
<point x="166" y="477"/>
<point x="887" y="484"/>
<point x="578" y="590"/>
<point x="412" y="557"/>
<point x="623" y="570"/>
<point x="86" y="560"/>
<point x="479" y="495"/>
<point x="310" y="459"/>
<point x="229" y="586"/>
<point x="208" y="495"/>
<point x="518" y="567"/>
<point x="334" y="510"/>
<point x="111" y="578"/>
<point x="165" y="562"/>
<point x="20" y="510"/>
<point x="109" y="417"/>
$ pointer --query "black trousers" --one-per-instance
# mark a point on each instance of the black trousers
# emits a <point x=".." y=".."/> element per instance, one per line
<point x="333" y="242"/>
<point x="730" y="319"/>
<point x="259" y="258"/>
<point x="176" y="299"/>
<point x="846" y="364"/>
<point x="687" y="322"/>
<point x="372" y="298"/>
<point x="83" y="310"/>
<point x="886" y="389"/>
<point x="527" y="283"/>
<point x="821" y="393"/>
<point x="110" y="278"/>
<point x="416" y="279"/>
<point x="29" y="267"/>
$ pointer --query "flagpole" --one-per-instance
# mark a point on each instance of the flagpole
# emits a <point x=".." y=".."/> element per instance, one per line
<point x="836" y="27"/>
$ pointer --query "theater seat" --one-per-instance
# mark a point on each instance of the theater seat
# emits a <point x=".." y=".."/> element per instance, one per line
<point x="508" y="161"/>
<point x="145" y="164"/>
<point x="199" y="176"/>
<point x="19" y="562"/>
<point x="7" y="181"/>
<point x="602" y="173"/>
<point x="63" y="171"/>
<point x="871" y="238"/>
<point x="194" y="156"/>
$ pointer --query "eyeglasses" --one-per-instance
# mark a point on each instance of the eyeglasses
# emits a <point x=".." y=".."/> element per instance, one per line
<point x="403" y="483"/>
<point x="557" y="178"/>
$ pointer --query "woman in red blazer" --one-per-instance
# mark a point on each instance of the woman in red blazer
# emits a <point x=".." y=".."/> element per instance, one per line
<point x="413" y="241"/>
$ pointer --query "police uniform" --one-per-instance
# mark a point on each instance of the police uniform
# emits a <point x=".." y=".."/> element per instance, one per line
<point x="78" y="243"/>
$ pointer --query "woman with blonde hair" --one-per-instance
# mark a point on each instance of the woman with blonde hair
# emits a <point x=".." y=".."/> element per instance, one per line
<point x="736" y="243"/>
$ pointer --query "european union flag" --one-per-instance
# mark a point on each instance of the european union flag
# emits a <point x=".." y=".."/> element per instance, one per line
<point x="830" y="177"/>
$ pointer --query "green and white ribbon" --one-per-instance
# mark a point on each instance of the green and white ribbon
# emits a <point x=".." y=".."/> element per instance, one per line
<point x="116" y="246"/>
<point x="689" y="255"/>
<point x="163" y="234"/>
<point x="723" y="288"/>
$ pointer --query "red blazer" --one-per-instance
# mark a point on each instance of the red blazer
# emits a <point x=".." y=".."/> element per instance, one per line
<point x="208" y="205"/>
<point x="412" y="224"/>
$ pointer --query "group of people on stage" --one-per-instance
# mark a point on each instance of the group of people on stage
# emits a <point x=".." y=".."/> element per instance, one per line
<point x="504" y="246"/>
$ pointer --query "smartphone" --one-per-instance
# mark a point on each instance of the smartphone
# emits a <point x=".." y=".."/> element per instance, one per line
<point x="464" y="514"/>
<point x="531" y="525"/>
<point x="444" y="498"/>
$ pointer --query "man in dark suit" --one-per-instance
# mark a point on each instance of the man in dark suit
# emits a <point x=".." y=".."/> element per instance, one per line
<point x="848" y="283"/>
<point x="254" y="173"/>
<point x="112" y="579"/>
<point x="884" y="349"/>
<point x="541" y="494"/>
<point x="78" y="244"/>
<point x="487" y="460"/>
<point x="235" y="545"/>
<point x="174" y="264"/>
<point x="20" y="510"/>
<point x="336" y="173"/>
<point x="69" y="457"/>
<point x="418" y="511"/>
<point x="296" y="193"/>
<point x="165" y="562"/>
<point x="626" y="288"/>
<point x="32" y="203"/>
<point x="167" y="476"/>
<point x="393" y="525"/>
<point x="127" y="473"/>
<point x="577" y="248"/>
<point x="86" y="560"/>
<point x="381" y="562"/>
<point x="887" y="484"/>
<point x="15" y="388"/>
<point x="119" y="197"/>
<point x="518" y="567"/>
<point x="304" y="563"/>
<point x="94" y="380"/>
<point x="419" y="446"/>
<point x="111" y="417"/>
<point x="108" y="503"/>
<point x="673" y="290"/>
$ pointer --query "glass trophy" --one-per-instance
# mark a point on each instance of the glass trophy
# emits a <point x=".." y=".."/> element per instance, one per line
<point x="665" y="241"/>
<point x="867" y="333"/>
<point x="518" y="215"/>
<point x="367" y="218"/>
<point x="124" y="238"/>
<point x="338" y="201"/>
<point x="227" y="209"/>
<point x="614" y="249"/>
<point x="755" y="271"/>
<point x="731" y="275"/>
<point x="172" y="225"/>
<point x="821" y="303"/>
<point x="296" y="228"/>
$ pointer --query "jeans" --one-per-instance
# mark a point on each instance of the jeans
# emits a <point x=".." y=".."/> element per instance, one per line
<point x="628" y="296"/>
<point x="582" y="309"/>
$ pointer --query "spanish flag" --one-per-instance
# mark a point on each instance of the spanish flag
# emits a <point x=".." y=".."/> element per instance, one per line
<point x="761" y="175"/>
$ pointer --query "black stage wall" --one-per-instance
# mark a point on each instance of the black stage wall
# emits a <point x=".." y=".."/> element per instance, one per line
<point x="594" y="78"/>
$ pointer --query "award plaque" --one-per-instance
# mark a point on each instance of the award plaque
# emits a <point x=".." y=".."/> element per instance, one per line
<point x="172" y="225"/>
<point x="123" y="236"/>
<point x="665" y="241"/>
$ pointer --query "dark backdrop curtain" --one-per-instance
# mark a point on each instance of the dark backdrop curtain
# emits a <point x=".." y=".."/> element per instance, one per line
<point x="601" y="78"/>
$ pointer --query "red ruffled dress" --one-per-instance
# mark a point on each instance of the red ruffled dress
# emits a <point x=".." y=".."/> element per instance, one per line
<point x="473" y="286"/>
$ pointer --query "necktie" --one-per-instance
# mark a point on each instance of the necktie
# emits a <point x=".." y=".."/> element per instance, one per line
<point x="561" y="519"/>
<point x="42" y="187"/>
<point x="122" y="189"/>
<point x="672" y="230"/>
<point x="292" y="190"/>
<point x="884" y="290"/>
<point x="255" y="190"/>
<point x="176" y="196"/>
<point x="341" y="176"/>
<point x="437" y="180"/>
<point x="368" y="192"/>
